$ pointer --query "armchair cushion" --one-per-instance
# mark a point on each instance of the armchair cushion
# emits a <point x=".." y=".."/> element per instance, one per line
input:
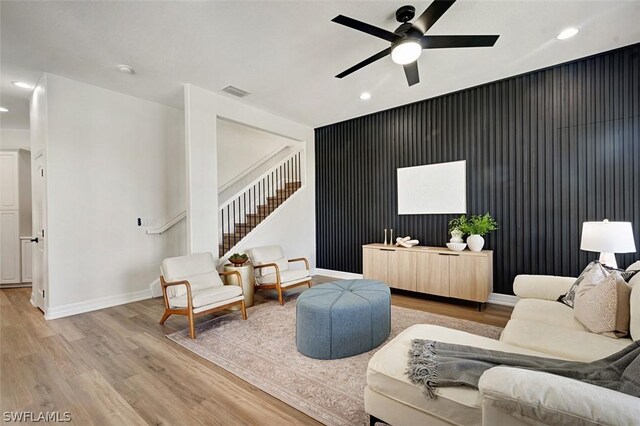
<point x="268" y="254"/>
<point x="199" y="269"/>
<point x="287" y="277"/>
<point x="207" y="296"/>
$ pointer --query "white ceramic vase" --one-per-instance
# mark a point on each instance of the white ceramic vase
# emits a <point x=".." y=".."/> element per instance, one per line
<point x="456" y="236"/>
<point x="475" y="242"/>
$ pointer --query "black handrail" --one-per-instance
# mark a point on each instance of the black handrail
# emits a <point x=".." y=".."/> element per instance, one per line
<point x="257" y="202"/>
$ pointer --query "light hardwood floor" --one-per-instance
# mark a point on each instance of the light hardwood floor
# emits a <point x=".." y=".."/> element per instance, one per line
<point x="115" y="366"/>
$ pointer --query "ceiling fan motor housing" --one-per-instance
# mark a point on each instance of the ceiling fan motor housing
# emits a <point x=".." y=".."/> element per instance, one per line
<point x="405" y="13"/>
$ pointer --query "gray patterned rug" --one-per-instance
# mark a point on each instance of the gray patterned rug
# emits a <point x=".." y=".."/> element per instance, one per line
<point x="262" y="351"/>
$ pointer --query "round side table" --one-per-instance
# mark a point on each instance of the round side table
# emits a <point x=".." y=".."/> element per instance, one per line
<point x="246" y="272"/>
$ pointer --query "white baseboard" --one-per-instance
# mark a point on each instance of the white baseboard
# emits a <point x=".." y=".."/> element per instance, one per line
<point x="503" y="299"/>
<point x="18" y="285"/>
<point x="95" y="304"/>
<point x="496" y="298"/>
<point x="154" y="288"/>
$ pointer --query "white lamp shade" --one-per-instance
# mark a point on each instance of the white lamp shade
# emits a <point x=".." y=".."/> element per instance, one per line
<point x="607" y="237"/>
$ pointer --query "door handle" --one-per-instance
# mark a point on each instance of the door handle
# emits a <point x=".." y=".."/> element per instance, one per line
<point x="34" y="240"/>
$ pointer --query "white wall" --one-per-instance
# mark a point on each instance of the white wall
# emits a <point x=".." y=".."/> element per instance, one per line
<point x="293" y="226"/>
<point x="15" y="139"/>
<point x="241" y="147"/>
<point x="111" y="158"/>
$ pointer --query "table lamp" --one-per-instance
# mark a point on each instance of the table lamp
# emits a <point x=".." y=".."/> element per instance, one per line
<point x="608" y="238"/>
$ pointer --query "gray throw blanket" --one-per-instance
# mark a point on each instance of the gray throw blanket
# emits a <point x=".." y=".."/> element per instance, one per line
<point x="436" y="364"/>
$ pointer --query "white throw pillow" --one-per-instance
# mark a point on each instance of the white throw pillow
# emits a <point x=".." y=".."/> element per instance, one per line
<point x="602" y="302"/>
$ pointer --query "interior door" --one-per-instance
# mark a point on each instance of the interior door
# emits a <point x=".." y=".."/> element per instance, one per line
<point x="39" y="246"/>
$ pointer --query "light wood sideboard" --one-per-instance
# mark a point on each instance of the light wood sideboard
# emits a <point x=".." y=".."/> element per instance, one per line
<point x="439" y="271"/>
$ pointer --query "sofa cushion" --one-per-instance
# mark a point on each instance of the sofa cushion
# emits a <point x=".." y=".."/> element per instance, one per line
<point x="547" y="287"/>
<point x="543" y="398"/>
<point x="560" y="342"/>
<point x="547" y="312"/>
<point x="602" y="305"/>
<point x="459" y="405"/>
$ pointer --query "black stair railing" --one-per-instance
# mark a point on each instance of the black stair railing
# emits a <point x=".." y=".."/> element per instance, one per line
<point x="243" y="212"/>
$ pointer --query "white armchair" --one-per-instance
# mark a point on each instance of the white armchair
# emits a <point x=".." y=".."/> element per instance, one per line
<point x="272" y="270"/>
<point x="191" y="286"/>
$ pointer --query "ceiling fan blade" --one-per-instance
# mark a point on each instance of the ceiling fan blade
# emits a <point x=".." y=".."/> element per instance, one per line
<point x="366" y="28"/>
<point x="446" y="41"/>
<point x="366" y="62"/>
<point x="411" y="71"/>
<point x="432" y="14"/>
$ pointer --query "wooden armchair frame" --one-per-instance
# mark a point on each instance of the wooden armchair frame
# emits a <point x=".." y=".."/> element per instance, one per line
<point x="277" y="285"/>
<point x="188" y="311"/>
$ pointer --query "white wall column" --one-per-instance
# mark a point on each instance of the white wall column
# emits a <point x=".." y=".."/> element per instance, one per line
<point x="294" y="229"/>
<point x="202" y="165"/>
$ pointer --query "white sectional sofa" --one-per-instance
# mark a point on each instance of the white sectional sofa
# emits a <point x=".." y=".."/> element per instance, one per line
<point x="508" y="396"/>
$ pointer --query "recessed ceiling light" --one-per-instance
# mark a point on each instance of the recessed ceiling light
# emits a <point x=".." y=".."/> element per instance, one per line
<point x="365" y="96"/>
<point x="567" y="33"/>
<point x="22" y="85"/>
<point x="126" y="69"/>
<point x="3" y="109"/>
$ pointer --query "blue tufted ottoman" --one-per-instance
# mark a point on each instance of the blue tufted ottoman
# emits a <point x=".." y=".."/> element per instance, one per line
<point x="342" y="318"/>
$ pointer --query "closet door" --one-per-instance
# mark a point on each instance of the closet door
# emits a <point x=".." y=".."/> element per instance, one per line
<point x="9" y="247"/>
<point x="9" y="181"/>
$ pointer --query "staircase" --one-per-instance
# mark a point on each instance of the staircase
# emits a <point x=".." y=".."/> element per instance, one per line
<point x="244" y="212"/>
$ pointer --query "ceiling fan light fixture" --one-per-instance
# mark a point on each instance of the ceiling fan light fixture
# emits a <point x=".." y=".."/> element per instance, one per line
<point x="406" y="52"/>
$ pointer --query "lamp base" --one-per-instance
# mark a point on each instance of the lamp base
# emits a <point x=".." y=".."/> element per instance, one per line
<point x="608" y="259"/>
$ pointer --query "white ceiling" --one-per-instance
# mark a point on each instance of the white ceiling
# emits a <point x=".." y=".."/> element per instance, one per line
<point x="287" y="53"/>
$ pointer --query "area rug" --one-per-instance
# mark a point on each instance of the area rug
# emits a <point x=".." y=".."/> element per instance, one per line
<point x="262" y="351"/>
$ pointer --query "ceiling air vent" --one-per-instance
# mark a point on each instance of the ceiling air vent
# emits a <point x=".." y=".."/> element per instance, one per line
<point x="235" y="91"/>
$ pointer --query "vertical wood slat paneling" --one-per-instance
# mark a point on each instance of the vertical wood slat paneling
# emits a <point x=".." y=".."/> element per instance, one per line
<point x="545" y="152"/>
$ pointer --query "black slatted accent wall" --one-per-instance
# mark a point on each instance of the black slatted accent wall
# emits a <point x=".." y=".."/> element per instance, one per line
<point x="545" y="152"/>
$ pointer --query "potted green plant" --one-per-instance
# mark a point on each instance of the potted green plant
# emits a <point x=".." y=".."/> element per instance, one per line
<point x="477" y="227"/>
<point x="238" y="259"/>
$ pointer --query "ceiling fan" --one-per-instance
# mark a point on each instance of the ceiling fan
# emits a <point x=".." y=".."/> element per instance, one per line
<point x="409" y="39"/>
